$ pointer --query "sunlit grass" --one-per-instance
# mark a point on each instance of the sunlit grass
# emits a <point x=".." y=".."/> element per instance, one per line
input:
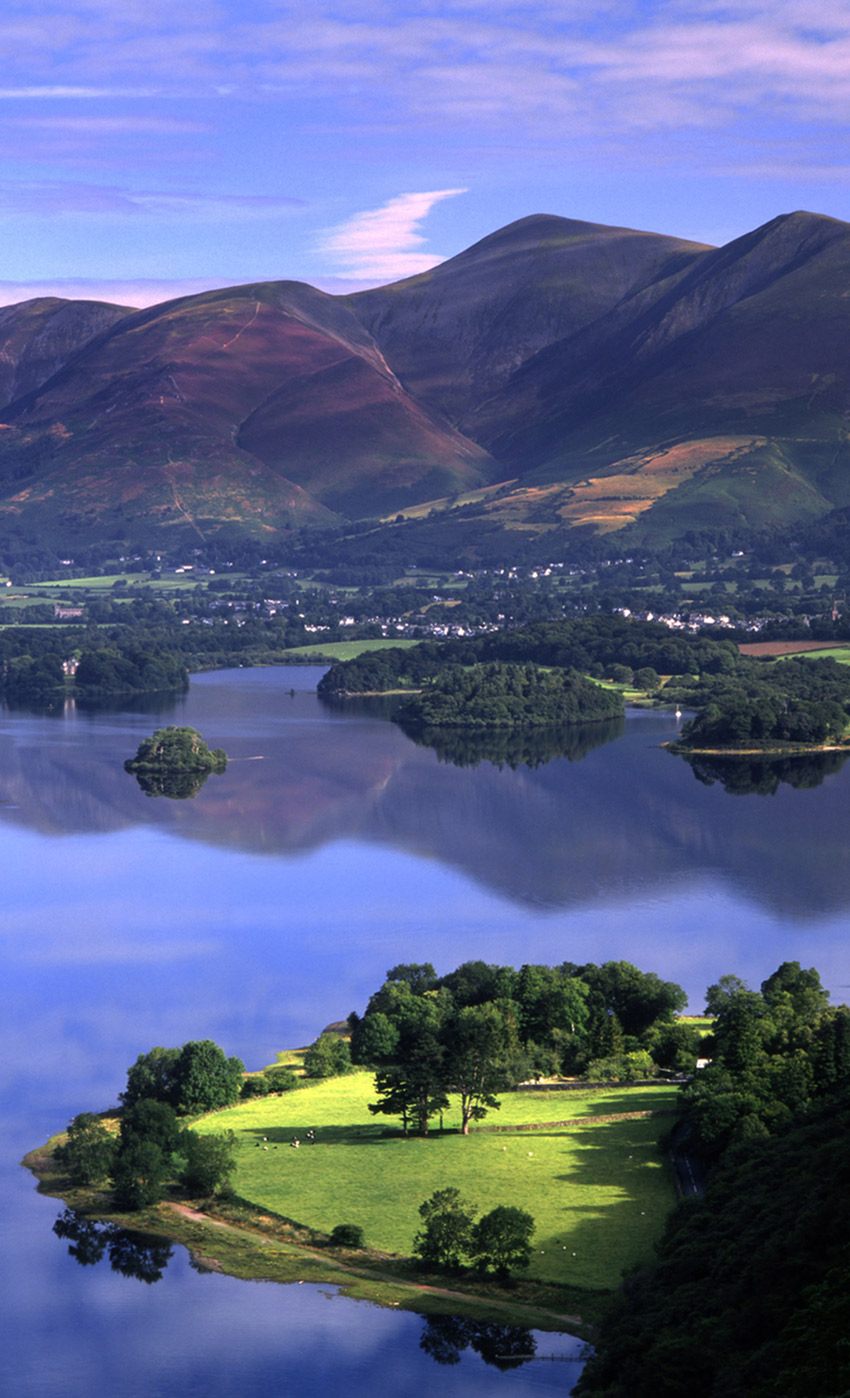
<point x="598" y="1189"/>
<point x="347" y="650"/>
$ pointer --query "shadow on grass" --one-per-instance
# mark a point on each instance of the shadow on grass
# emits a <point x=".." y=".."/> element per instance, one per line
<point x="612" y="1158"/>
<point x="351" y="1135"/>
<point x="634" y="1099"/>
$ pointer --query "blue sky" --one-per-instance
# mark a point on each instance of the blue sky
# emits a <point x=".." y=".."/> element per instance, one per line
<point x="149" y="148"/>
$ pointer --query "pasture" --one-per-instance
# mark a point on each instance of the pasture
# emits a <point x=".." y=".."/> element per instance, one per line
<point x="582" y="1163"/>
<point x="345" y="650"/>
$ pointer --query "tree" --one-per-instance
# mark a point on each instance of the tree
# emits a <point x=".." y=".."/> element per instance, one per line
<point x="476" y="1040"/>
<point x="89" y="1152"/>
<point x="502" y="1239"/>
<point x="637" y="998"/>
<point x="420" y="976"/>
<point x="140" y="1173"/>
<point x="210" y="1161"/>
<point x="149" y="1120"/>
<point x="152" y="1075"/>
<point x="445" y="1239"/>
<point x="718" y="996"/>
<point x="328" y="1057"/>
<point x="347" y="1235"/>
<point x="413" y="1087"/>
<point x="205" y="1079"/>
<point x="374" y="1038"/>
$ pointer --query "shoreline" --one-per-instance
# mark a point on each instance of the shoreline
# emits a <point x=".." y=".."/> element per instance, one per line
<point x="784" y="750"/>
<point x="240" y="1240"/>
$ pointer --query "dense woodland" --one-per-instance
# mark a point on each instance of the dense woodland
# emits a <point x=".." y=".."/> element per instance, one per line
<point x="741" y="701"/>
<point x="498" y="695"/>
<point x="750" y="1293"/>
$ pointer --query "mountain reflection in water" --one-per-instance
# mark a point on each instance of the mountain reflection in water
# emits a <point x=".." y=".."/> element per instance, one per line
<point x="608" y="818"/>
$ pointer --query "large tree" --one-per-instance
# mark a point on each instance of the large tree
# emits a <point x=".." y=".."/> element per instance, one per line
<point x="447" y="1229"/>
<point x="206" y="1079"/>
<point x="502" y="1239"/>
<point x="477" y="1043"/>
<point x="413" y="1086"/>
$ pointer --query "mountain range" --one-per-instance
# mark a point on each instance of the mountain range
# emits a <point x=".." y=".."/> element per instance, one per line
<point x="556" y="374"/>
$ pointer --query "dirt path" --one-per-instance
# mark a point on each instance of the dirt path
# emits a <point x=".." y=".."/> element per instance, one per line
<point x="196" y="1216"/>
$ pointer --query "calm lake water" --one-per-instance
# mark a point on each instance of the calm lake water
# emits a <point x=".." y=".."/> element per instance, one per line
<point x="274" y="902"/>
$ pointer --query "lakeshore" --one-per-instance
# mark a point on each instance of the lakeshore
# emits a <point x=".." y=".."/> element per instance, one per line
<point x="276" y="1224"/>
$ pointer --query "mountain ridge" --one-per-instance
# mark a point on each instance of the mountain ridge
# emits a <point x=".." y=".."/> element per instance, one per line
<point x="561" y="373"/>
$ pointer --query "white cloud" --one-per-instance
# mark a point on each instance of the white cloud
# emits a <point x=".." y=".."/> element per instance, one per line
<point x="381" y="244"/>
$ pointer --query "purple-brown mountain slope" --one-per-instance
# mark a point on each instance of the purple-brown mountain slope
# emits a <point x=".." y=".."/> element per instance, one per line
<point x="262" y="405"/>
<point x="38" y="338"/>
<point x="722" y="400"/>
<point x="614" y="378"/>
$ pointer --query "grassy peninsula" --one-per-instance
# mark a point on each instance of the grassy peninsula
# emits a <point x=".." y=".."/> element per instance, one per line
<point x="585" y="1163"/>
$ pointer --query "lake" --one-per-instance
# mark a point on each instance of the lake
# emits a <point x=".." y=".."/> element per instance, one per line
<point x="274" y="902"/>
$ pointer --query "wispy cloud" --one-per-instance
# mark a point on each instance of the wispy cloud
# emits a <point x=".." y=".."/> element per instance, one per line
<point x="511" y="61"/>
<point x="60" y="93"/>
<point x="382" y="243"/>
<point x="44" y="198"/>
<point x="100" y="126"/>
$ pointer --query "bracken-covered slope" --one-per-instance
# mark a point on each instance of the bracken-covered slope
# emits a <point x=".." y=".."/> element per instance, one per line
<point x="721" y="401"/>
<point x="565" y="373"/>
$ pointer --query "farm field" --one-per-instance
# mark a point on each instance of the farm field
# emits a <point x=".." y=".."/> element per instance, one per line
<point x="814" y="649"/>
<point x="346" y="650"/>
<point x="598" y="1187"/>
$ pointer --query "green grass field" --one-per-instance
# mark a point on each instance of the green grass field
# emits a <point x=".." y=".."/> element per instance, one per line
<point x="599" y="1190"/>
<point x="347" y="650"/>
<point x="839" y="653"/>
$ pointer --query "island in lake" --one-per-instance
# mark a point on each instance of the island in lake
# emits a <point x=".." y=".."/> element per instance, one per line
<point x="175" y="762"/>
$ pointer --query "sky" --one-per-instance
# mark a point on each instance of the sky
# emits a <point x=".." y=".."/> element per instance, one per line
<point x="150" y="148"/>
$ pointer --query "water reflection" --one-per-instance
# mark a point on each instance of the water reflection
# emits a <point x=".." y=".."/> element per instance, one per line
<point x="177" y="786"/>
<point x="598" y="814"/>
<point x="143" y="1256"/>
<point x="445" y="1337"/>
<point x="513" y="748"/>
<point x="763" y="775"/>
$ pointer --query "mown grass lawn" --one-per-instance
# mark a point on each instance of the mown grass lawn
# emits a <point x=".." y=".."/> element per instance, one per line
<point x="598" y="1189"/>
<point x="347" y="650"/>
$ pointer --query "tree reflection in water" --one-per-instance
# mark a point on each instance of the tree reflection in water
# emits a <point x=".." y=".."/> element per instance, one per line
<point x="504" y="1346"/>
<point x="762" y="775"/>
<point x="144" y="1256"/>
<point x="516" y="747"/>
<point x="177" y="786"/>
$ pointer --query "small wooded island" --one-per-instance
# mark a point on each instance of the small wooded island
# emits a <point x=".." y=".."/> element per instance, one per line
<point x="174" y="762"/>
<point x="498" y="695"/>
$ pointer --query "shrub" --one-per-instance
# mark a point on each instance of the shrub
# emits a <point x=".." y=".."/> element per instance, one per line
<point x="347" y="1235"/>
<point x="255" y="1086"/>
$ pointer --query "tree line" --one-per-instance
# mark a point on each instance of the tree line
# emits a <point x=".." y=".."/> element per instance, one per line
<point x="749" y="1290"/>
<point x="483" y="1028"/>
